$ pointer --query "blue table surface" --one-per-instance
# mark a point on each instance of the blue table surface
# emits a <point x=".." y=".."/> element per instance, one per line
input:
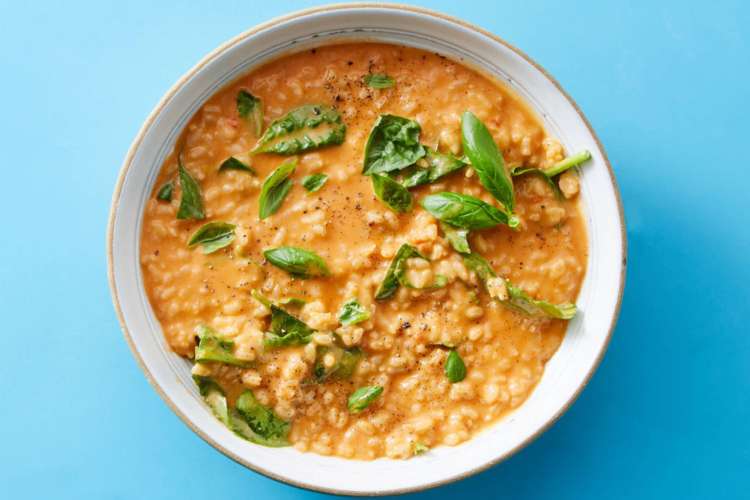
<point x="665" y="84"/>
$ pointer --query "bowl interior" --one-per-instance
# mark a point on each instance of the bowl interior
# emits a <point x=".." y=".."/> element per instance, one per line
<point x="566" y="373"/>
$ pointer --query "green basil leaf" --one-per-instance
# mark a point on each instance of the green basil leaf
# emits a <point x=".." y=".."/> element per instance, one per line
<point x="191" y="202"/>
<point x="477" y="263"/>
<point x="362" y="397"/>
<point x="250" y="108"/>
<point x="457" y="237"/>
<point x="393" y="144"/>
<point x="420" y="448"/>
<point x="379" y="81"/>
<point x="345" y="364"/>
<point x="521" y="301"/>
<point x="267" y="428"/>
<point x="549" y="173"/>
<point x="513" y="297"/>
<point x="214" y="397"/>
<point x="395" y="276"/>
<point x="391" y="193"/>
<point x="213" y="236"/>
<point x="486" y="160"/>
<point x="165" y="191"/>
<point x="298" y="262"/>
<point x="214" y="348"/>
<point x="260" y="298"/>
<point x="293" y="302"/>
<point x="275" y="188"/>
<point x="314" y="182"/>
<point x="455" y="369"/>
<point x="286" y="330"/>
<point x="438" y="165"/>
<point x="352" y="312"/>
<point x="308" y="127"/>
<point x="233" y="163"/>
<point x="466" y="212"/>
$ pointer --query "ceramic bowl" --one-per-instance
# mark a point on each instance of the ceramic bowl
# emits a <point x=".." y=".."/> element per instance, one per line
<point x="566" y="373"/>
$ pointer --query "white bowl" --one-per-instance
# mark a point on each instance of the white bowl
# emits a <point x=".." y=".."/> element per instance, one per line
<point x="566" y="373"/>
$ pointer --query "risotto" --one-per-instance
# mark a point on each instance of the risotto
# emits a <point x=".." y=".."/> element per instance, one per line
<point x="366" y="250"/>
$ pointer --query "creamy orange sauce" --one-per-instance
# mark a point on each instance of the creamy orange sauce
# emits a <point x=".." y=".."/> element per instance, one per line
<point x="357" y="235"/>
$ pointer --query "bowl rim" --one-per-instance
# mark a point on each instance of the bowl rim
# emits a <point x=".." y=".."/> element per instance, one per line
<point x="300" y="14"/>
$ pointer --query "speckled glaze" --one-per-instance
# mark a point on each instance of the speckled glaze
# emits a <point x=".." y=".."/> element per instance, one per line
<point x="566" y="373"/>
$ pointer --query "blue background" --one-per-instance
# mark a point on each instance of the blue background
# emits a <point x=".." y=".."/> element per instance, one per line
<point x="665" y="85"/>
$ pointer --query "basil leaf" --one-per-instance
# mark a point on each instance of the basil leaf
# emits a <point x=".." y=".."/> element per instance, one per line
<point x="438" y="165"/>
<point x="393" y="144"/>
<point x="352" y="312"/>
<point x="457" y="237"/>
<point x="298" y="262"/>
<point x="314" y="182"/>
<point x="455" y="369"/>
<point x="420" y="448"/>
<point x="362" y="397"/>
<point x="486" y="160"/>
<point x="275" y="188"/>
<point x="395" y="276"/>
<point x="345" y="363"/>
<point x="391" y="193"/>
<point x="479" y="265"/>
<point x="165" y="192"/>
<point x="521" y="301"/>
<point x="233" y="163"/>
<point x="466" y="212"/>
<point x="267" y="428"/>
<point x="191" y="203"/>
<point x="379" y="81"/>
<point x="213" y="236"/>
<point x="301" y="129"/>
<point x="549" y="173"/>
<point x="293" y="302"/>
<point x="513" y="297"/>
<point x="250" y="108"/>
<point x="286" y="330"/>
<point x="214" y="397"/>
<point x="214" y="348"/>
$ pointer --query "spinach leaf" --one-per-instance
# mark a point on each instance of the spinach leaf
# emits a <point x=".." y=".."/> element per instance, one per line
<point x="352" y="312"/>
<point x="513" y="297"/>
<point x="267" y="428"/>
<point x="396" y="274"/>
<point x="466" y="212"/>
<point x="275" y="188"/>
<point x="286" y="330"/>
<point x="391" y="193"/>
<point x="438" y="165"/>
<point x="214" y="396"/>
<point x="345" y="363"/>
<point x="250" y="108"/>
<point x="165" y="191"/>
<point x="293" y="302"/>
<point x="233" y="163"/>
<point x="298" y="262"/>
<point x="455" y="369"/>
<point x="457" y="237"/>
<point x="486" y="159"/>
<point x="213" y="236"/>
<point x="362" y="397"/>
<point x="379" y="81"/>
<point x="301" y="129"/>
<point x="393" y="144"/>
<point x="214" y="348"/>
<point x="191" y="203"/>
<point x="314" y="182"/>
